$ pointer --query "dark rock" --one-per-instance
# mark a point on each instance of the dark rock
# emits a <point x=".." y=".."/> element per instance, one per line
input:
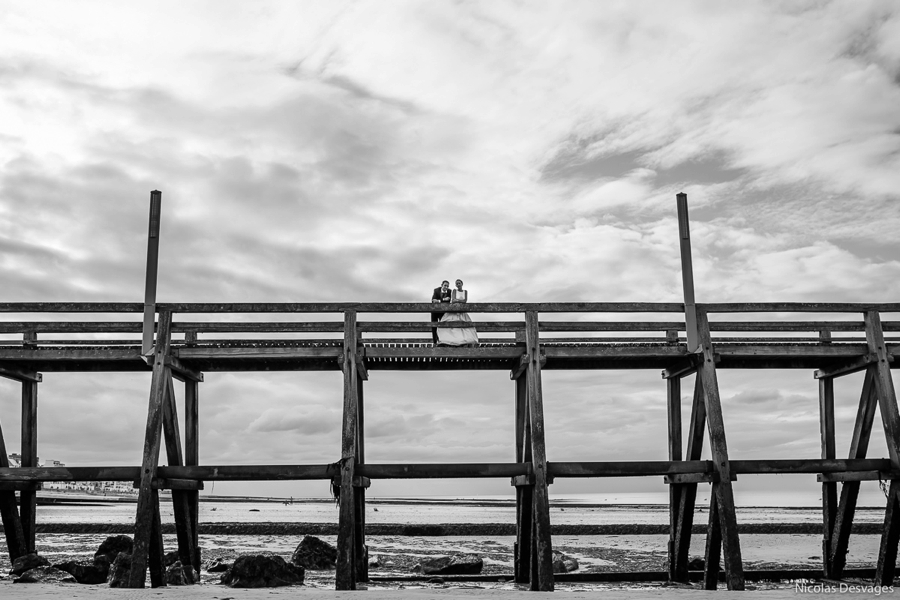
<point x="563" y="563"/>
<point x="374" y="562"/>
<point x="44" y="574"/>
<point x="176" y="574"/>
<point x="170" y="558"/>
<point x="120" y="570"/>
<point x="453" y="565"/>
<point x="315" y="554"/>
<point x="26" y="562"/>
<point x="86" y="572"/>
<point x="111" y="547"/>
<point x="217" y="565"/>
<point x="696" y="564"/>
<point x="260" y="570"/>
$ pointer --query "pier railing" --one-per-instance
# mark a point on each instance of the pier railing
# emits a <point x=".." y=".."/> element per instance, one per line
<point x="831" y="339"/>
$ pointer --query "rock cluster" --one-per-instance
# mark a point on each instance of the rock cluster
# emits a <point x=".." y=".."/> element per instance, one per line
<point x="262" y="570"/>
<point x="314" y="554"/>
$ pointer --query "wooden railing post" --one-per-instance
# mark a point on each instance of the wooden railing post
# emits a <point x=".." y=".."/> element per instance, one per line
<point x="524" y="490"/>
<point x="687" y="273"/>
<point x="346" y="576"/>
<point x="151" y="273"/>
<point x="192" y="452"/>
<point x="542" y="547"/>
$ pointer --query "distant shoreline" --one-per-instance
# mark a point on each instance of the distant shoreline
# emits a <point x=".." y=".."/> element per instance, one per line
<point x="442" y="529"/>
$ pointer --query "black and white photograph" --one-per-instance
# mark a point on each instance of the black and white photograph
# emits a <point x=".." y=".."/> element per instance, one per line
<point x="442" y="298"/>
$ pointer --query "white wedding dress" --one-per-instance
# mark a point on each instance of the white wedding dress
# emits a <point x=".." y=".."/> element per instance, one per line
<point x="457" y="336"/>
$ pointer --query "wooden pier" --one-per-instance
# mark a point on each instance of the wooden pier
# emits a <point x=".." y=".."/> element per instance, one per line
<point x="358" y="339"/>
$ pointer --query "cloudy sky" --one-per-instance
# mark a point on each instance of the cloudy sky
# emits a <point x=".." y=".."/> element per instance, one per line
<point x="334" y="151"/>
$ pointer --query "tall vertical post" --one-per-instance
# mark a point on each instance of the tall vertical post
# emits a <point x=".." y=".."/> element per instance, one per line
<point x="9" y="514"/>
<point x="542" y="557"/>
<point x="524" y="491"/>
<point x="673" y="388"/>
<point x="345" y="576"/>
<point x="362" y="559"/>
<point x="28" y="498"/>
<point x="152" y="265"/>
<point x="829" y="488"/>
<point x="687" y="273"/>
<point x="147" y="535"/>
<point x="192" y="453"/>
<point x="722" y="490"/>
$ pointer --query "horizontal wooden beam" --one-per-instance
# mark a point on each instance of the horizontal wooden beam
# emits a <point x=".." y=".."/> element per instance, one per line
<point x="443" y="471"/>
<point x="686" y="367"/>
<point x="172" y="484"/>
<point x="18" y="374"/>
<point x="279" y="352"/>
<point x="71" y="307"/>
<point x="694" y="478"/>
<point x="853" y="366"/>
<point x="857" y="476"/>
<point x="445" y="352"/>
<point x="181" y="371"/>
<point x="19" y="486"/>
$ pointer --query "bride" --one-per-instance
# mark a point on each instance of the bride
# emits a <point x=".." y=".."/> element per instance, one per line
<point x="457" y="336"/>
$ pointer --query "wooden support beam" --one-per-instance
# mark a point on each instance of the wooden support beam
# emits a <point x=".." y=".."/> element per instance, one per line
<point x="147" y="535"/>
<point x="694" y="478"/>
<point x="673" y="414"/>
<point x="854" y="366"/>
<point x="542" y="547"/>
<point x="829" y="488"/>
<point x="192" y="453"/>
<point x="28" y="498"/>
<point x="687" y="273"/>
<point x="9" y="513"/>
<point x="155" y="550"/>
<point x="713" y="553"/>
<point x="16" y="486"/>
<point x="163" y="483"/>
<point x="180" y="498"/>
<point x="360" y="551"/>
<point x="524" y="483"/>
<point x="686" y="494"/>
<point x="151" y="271"/>
<point x="857" y="476"/>
<point x="686" y="366"/>
<point x="724" y="494"/>
<point x="859" y="444"/>
<point x="346" y="576"/>
<point x="181" y="371"/>
<point x="521" y="365"/>
<point x="884" y="386"/>
<point x="887" y="553"/>
<point x="15" y="373"/>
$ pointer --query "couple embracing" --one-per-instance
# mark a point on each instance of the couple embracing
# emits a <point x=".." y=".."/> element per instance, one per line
<point x="452" y="336"/>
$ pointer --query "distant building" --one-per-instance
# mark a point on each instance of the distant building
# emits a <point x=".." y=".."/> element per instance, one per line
<point x="110" y="488"/>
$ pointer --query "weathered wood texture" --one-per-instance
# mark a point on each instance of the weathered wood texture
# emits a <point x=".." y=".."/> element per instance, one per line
<point x="859" y="444"/>
<point x="829" y="489"/>
<point x="9" y="513"/>
<point x="542" y="575"/>
<point x="28" y="498"/>
<point x="724" y="494"/>
<point x="146" y="533"/>
<point x="346" y="576"/>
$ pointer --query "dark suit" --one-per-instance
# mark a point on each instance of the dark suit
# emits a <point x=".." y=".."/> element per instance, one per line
<point x="439" y="294"/>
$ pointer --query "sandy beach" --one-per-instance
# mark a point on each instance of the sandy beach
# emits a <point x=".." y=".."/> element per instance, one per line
<point x="12" y="591"/>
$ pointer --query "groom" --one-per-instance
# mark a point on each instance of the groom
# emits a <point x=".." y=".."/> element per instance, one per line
<point x="441" y="294"/>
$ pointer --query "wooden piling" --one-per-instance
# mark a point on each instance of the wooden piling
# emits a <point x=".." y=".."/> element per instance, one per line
<point x="9" y="513"/>
<point x="180" y="499"/>
<point x="346" y="576"/>
<point x="829" y="488"/>
<point x="360" y="549"/>
<point x="542" y="577"/>
<point x="890" y="417"/>
<point x="724" y="494"/>
<point x="859" y="445"/>
<point x="192" y="455"/>
<point x="673" y="413"/>
<point x="687" y="492"/>
<point x="28" y="498"/>
<point x="524" y="491"/>
<point x="713" y="553"/>
<point x="147" y="535"/>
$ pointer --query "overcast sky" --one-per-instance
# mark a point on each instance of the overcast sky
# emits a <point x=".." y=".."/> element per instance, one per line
<point x="333" y="151"/>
